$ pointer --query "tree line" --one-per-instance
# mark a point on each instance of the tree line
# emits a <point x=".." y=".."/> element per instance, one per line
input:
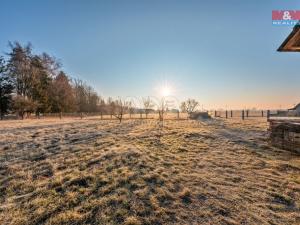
<point x="32" y="83"/>
<point x="36" y="83"/>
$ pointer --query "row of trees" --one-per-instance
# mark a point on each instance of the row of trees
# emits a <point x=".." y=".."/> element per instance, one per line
<point x="35" y="83"/>
<point x="32" y="83"/>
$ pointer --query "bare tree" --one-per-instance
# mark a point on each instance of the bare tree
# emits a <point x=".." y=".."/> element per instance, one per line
<point x="81" y="95"/>
<point x="111" y="105"/>
<point x="162" y="108"/>
<point x="131" y="108"/>
<point x="189" y="106"/>
<point x="101" y="106"/>
<point x="121" y="107"/>
<point x="148" y="105"/>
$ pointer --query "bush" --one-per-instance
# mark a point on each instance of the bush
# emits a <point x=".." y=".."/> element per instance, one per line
<point x="23" y="105"/>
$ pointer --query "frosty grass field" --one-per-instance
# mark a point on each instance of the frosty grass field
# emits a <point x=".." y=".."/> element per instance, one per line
<point x="93" y="171"/>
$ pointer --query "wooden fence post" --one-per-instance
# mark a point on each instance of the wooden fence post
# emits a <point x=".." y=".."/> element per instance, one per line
<point x="262" y="113"/>
<point x="268" y="115"/>
<point x="247" y="113"/>
<point x="231" y="113"/>
<point x="215" y="113"/>
<point x="243" y="115"/>
<point x="226" y="114"/>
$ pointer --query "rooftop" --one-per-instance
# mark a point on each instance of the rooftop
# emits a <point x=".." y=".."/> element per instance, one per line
<point x="292" y="42"/>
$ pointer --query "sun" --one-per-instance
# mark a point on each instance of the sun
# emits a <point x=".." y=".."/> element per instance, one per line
<point x="165" y="91"/>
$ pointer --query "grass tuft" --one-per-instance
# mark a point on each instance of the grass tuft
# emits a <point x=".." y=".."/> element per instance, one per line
<point x="132" y="221"/>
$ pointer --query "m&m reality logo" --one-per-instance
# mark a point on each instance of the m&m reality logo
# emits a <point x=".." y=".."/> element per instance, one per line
<point x="285" y="17"/>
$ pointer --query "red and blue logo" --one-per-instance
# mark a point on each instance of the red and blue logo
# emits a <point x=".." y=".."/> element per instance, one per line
<point x="285" y="17"/>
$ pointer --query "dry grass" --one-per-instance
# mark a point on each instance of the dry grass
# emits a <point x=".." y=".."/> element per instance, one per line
<point x="101" y="172"/>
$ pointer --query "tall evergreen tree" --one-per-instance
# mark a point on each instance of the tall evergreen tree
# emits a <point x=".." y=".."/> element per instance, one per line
<point x="62" y="94"/>
<point x="44" y="69"/>
<point x="6" y="89"/>
<point x="20" y="68"/>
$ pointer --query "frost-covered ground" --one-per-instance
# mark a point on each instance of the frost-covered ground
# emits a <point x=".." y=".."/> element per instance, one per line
<point x="89" y="171"/>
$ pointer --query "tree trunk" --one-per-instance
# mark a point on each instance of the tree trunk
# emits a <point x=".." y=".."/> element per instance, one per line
<point x="22" y="115"/>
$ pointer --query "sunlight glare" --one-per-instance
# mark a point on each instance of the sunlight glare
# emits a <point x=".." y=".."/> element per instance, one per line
<point x="165" y="91"/>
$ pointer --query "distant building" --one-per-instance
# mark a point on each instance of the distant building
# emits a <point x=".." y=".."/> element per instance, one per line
<point x="295" y="111"/>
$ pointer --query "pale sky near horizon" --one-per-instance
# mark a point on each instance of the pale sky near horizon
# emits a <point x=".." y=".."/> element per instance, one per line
<point x="223" y="53"/>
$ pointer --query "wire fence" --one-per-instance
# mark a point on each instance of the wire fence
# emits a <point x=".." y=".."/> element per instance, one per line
<point x="101" y="116"/>
<point x="243" y="114"/>
<point x="227" y="114"/>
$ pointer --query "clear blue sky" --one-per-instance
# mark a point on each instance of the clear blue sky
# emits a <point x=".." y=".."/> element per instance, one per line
<point x="222" y="53"/>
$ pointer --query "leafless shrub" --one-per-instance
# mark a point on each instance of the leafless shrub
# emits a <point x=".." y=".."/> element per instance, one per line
<point x="189" y="106"/>
<point x="148" y="105"/>
<point x="120" y="108"/>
